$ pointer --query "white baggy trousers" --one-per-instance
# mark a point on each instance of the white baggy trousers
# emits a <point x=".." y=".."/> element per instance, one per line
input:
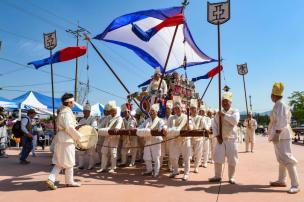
<point x="179" y="146"/>
<point x="227" y="149"/>
<point x="286" y="162"/>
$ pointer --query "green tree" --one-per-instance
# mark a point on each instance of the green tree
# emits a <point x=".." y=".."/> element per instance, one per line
<point x="296" y="101"/>
<point x="262" y="119"/>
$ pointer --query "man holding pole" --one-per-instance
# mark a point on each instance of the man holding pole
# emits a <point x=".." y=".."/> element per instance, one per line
<point x="155" y="83"/>
<point x="226" y="146"/>
<point x="251" y="126"/>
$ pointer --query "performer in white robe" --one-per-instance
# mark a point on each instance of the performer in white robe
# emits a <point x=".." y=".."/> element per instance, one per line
<point x="251" y="125"/>
<point x="90" y="154"/>
<point x="165" y="146"/>
<point x="110" y="144"/>
<point x="280" y="133"/>
<point x="240" y="137"/>
<point x="64" y="151"/>
<point x="129" y="122"/>
<point x="226" y="144"/>
<point x="153" y="86"/>
<point x="152" y="153"/>
<point x="180" y="145"/>
<point x="206" y="141"/>
<point x="102" y="124"/>
<point x="212" y="139"/>
<point x="197" y="142"/>
<point x="140" y="118"/>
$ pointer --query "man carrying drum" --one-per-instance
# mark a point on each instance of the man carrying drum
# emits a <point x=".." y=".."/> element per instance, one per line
<point x="64" y="151"/>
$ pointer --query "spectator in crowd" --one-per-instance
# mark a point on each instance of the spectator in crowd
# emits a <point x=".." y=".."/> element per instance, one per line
<point x="26" y="139"/>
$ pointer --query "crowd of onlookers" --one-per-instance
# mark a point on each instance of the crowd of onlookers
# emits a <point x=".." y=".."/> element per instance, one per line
<point x="41" y="132"/>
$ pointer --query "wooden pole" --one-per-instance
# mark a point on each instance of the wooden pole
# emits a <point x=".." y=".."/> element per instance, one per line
<point x="206" y="88"/>
<point x="250" y="103"/>
<point x="170" y="49"/>
<point x="53" y="99"/>
<point x="111" y="69"/>
<point x="76" y="70"/>
<point x="219" y="78"/>
<point x="245" y="94"/>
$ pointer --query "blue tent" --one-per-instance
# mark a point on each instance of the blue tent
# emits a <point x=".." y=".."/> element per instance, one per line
<point x="97" y="109"/>
<point x="40" y="101"/>
<point x="5" y="103"/>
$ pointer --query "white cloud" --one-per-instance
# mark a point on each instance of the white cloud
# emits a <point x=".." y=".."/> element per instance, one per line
<point x="32" y="48"/>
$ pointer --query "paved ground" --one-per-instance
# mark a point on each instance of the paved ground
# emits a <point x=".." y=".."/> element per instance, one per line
<point x="255" y="170"/>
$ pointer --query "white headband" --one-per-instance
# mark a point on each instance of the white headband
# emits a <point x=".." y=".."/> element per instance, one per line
<point x="69" y="100"/>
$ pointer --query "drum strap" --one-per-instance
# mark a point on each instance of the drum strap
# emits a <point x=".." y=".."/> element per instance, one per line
<point x="154" y="123"/>
<point x="113" y="123"/>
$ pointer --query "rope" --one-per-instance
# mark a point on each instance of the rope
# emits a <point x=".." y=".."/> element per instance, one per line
<point x="137" y="147"/>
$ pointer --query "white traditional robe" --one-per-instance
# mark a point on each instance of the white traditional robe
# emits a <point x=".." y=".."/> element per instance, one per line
<point x="129" y="141"/>
<point x="197" y="142"/>
<point x="251" y="125"/>
<point x="67" y="135"/>
<point x="110" y="143"/>
<point x="280" y="120"/>
<point x="180" y="145"/>
<point x="229" y="134"/>
<point x="152" y="153"/>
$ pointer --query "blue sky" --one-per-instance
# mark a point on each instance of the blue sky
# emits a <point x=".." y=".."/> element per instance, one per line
<point x="268" y="35"/>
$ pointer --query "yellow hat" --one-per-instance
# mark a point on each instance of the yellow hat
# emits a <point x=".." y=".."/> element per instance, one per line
<point x="227" y="96"/>
<point x="278" y="88"/>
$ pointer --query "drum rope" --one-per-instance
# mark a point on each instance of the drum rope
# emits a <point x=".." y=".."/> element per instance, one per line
<point x="137" y="147"/>
<point x="134" y="147"/>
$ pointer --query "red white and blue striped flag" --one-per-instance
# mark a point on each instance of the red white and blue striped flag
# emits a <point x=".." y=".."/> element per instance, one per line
<point x="149" y="34"/>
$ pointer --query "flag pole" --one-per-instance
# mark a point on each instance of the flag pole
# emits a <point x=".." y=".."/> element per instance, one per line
<point x="110" y="68"/>
<point x="219" y="78"/>
<point x="50" y="42"/>
<point x="206" y="88"/>
<point x="245" y="92"/>
<point x="185" y="3"/>
<point x="53" y="99"/>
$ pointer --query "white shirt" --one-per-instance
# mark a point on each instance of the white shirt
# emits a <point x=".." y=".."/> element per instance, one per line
<point x="129" y="122"/>
<point x="253" y="125"/>
<point x="229" y="124"/>
<point x="178" y="122"/>
<point x="88" y="121"/>
<point x="279" y="120"/>
<point x="156" y="124"/>
<point x="153" y="87"/>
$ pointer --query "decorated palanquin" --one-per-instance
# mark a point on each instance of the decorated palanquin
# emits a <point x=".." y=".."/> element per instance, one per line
<point x="177" y="85"/>
<point x="180" y="86"/>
